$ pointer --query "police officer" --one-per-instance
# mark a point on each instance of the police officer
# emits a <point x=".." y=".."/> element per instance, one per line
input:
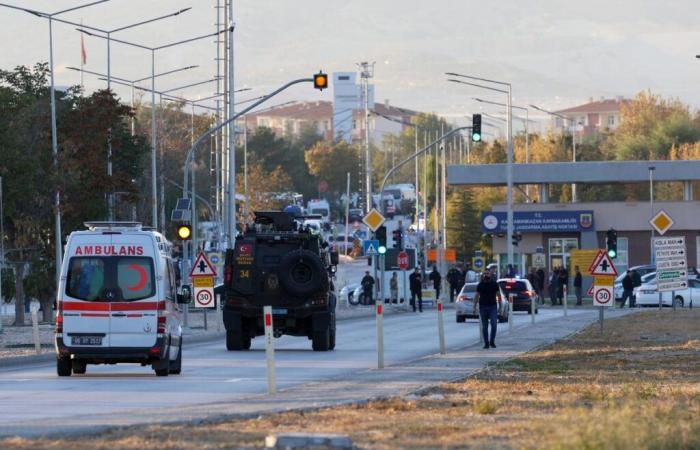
<point x="367" y="287"/>
<point x="416" y="284"/>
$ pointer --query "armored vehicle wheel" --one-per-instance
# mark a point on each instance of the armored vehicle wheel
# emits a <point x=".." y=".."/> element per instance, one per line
<point x="236" y="341"/>
<point x="321" y="340"/>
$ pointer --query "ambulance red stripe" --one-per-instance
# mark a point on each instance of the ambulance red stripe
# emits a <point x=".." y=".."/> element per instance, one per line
<point x="93" y="315"/>
<point x="121" y="306"/>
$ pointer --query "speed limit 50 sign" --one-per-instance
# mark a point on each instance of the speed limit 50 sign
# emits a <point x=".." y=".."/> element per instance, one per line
<point x="603" y="296"/>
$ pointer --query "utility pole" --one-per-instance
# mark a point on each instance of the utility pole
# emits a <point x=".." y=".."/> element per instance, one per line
<point x="367" y="72"/>
<point x="231" y="135"/>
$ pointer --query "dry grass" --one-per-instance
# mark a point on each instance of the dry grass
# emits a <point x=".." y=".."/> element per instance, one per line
<point x="637" y="386"/>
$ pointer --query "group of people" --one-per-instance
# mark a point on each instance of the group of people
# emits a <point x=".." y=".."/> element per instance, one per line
<point x="631" y="280"/>
<point x="556" y="283"/>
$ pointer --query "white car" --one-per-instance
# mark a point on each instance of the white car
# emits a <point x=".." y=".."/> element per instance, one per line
<point x="117" y="300"/>
<point x="464" y="304"/>
<point x="648" y="295"/>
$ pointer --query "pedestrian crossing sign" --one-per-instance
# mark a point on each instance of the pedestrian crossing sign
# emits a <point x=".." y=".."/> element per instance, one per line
<point x="370" y="247"/>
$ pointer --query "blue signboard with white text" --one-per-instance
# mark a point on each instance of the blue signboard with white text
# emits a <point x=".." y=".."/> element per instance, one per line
<point x="538" y="221"/>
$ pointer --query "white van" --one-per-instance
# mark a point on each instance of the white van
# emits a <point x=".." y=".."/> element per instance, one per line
<point x="319" y="207"/>
<point x="117" y="300"/>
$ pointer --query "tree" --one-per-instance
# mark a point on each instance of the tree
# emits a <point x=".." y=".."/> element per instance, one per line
<point x="463" y="223"/>
<point x="330" y="162"/>
<point x="262" y="185"/>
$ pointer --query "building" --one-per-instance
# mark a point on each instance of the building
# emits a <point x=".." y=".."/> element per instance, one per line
<point x="596" y="116"/>
<point x="289" y="120"/>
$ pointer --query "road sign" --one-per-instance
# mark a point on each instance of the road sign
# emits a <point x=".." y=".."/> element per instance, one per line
<point x="370" y="247"/>
<point x="604" y="281"/>
<point x="216" y="259"/>
<point x="590" y="291"/>
<point x="581" y="258"/>
<point x="539" y="260"/>
<point x="202" y="267"/>
<point x="374" y="219"/>
<point x="661" y="222"/>
<point x="478" y="262"/>
<point x="403" y="260"/>
<point x="671" y="263"/>
<point x="204" y="297"/>
<point x="450" y="255"/>
<point x="603" y="296"/>
<point x="602" y="265"/>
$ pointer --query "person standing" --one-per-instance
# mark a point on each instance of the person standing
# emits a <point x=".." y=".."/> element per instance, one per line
<point x="553" y="279"/>
<point x="453" y="276"/>
<point x="416" y="284"/>
<point x="436" y="278"/>
<point x="532" y="278"/>
<point x="627" y="288"/>
<point x="394" y="288"/>
<point x="578" y="286"/>
<point x="488" y="298"/>
<point x="636" y="282"/>
<point x="367" y="287"/>
<point x="563" y="280"/>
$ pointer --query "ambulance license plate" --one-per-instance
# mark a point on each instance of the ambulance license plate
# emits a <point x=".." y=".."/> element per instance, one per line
<point x="86" y="340"/>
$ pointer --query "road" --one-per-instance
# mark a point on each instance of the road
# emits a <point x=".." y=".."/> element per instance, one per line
<point x="35" y="400"/>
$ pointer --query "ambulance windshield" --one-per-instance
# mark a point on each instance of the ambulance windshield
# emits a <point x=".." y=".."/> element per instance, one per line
<point x="110" y="278"/>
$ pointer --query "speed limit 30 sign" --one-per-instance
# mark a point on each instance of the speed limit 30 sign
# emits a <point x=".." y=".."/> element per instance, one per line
<point x="603" y="296"/>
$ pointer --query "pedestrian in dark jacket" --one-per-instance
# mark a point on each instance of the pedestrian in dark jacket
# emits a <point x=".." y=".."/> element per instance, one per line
<point x="416" y="284"/>
<point x="636" y="282"/>
<point x="627" y="288"/>
<point x="436" y="278"/>
<point x="578" y="286"/>
<point x="562" y="282"/>
<point x="487" y="299"/>
<point x="553" y="280"/>
<point x="453" y="279"/>
<point x="540" y="284"/>
<point x="367" y="287"/>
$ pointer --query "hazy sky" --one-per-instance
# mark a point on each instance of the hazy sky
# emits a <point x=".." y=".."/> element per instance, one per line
<point x="555" y="53"/>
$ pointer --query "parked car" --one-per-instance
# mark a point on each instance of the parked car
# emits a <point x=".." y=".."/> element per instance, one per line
<point x="523" y="293"/>
<point x="464" y="305"/>
<point x="348" y="293"/>
<point x="648" y="294"/>
<point x="641" y="270"/>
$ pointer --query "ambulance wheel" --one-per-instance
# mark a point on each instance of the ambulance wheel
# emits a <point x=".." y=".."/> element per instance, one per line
<point x="176" y="366"/>
<point x="64" y="367"/>
<point x="79" y="367"/>
<point x="162" y="367"/>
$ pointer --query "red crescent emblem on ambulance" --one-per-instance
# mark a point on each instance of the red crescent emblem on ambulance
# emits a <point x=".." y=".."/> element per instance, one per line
<point x="143" y="278"/>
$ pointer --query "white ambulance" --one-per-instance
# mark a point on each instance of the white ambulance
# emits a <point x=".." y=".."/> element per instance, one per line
<point x="117" y="300"/>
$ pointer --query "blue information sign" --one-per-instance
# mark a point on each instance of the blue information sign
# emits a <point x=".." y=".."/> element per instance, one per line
<point x="370" y="247"/>
<point x="539" y="221"/>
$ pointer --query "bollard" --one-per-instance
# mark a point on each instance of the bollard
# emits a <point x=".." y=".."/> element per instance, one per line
<point x="441" y="327"/>
<point x="219" y="319"/>
<point x="532" y="310"/>
<point x="270" y="351"/>
<point x="34" y="308"/>
<point x="566" y="302"/>
<point x="380" y="335"/>
<point x="510" y="313"/>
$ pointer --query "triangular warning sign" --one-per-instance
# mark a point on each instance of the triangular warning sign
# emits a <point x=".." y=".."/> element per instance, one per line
<point x="202" y="267"/>
<point x="371" y="250"/>
<point x="603" y="265"/>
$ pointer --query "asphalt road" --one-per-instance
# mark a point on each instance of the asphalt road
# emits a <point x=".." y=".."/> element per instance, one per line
<point x="34" y="397"/>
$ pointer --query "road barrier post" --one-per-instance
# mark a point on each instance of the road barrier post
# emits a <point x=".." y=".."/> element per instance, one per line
<point x="379" y="308"/>
<point x="34" y="308"/>
<point x="270" y="351"/>
<point x="441" y="327"/>
<point x="510" y="313"/>
<point x="532" y="310"/>
<point x="219" y="313"/>
<point x="566" y="302"/>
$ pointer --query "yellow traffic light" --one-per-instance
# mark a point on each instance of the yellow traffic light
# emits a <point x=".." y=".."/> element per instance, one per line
<point x="320" y="81"/>
<point x="184" y="232"/>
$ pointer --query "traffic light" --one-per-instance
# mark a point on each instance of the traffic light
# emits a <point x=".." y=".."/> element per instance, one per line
<point x="517" y="237"/>
<point x="612" y="243"/>
<point x="476" y="127"/>
<point x="380" y="235"/>
<point x="184" y="232"/>
<point x="397" y="234"/>
<point x="320" y="81"/>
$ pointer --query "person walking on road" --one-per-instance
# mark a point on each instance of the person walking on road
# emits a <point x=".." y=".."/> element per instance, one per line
<point x="453" y="278"/>
<point x="487" y="298"/>
<point x="367" y="287"/>
<point x="436" y="278"/>
<point x="416" y="284"/>
<point x="394" y="288"/>
<point x="627" y="288"/>
<point x="578" y="286"/>
<point x="636" y="282"/>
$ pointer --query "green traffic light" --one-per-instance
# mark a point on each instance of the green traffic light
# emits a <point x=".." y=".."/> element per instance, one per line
<point x="612" y="253"/>
<point x="476" y="137"/>
<point x="381" y="249"/>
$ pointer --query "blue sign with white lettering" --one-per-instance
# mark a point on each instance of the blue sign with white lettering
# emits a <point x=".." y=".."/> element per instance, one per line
<point x="370" y="247"/>
<point x="538" y="221"/>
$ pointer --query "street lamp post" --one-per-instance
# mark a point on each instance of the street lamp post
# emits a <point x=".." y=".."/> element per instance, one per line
<point x="509" y="164"/>
<point x="54" y="138"/>
<point x="651" y="212"/>
<point x="153" y="50"/>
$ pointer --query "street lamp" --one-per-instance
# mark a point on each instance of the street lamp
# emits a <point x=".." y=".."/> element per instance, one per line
<point x="153" y="50"/>
<point x="58" y="241"/>
<point x="509" y="164"/>
<point x="651" y="207"/>
<point x="574" y="197"/>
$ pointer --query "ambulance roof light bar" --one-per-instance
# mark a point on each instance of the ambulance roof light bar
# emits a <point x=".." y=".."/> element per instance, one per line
<point x="113" y="226"/>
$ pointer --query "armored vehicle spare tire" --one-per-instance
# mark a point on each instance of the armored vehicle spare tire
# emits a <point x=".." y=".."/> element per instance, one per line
<point x="302" y="273"/>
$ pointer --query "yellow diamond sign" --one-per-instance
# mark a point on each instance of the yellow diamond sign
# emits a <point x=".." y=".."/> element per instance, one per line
<point x="374" y="219"/>
<point x="661" y="222"/>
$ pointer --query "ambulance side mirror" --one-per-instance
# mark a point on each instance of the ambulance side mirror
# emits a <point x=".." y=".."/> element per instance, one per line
<point x="185" y="295"/>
